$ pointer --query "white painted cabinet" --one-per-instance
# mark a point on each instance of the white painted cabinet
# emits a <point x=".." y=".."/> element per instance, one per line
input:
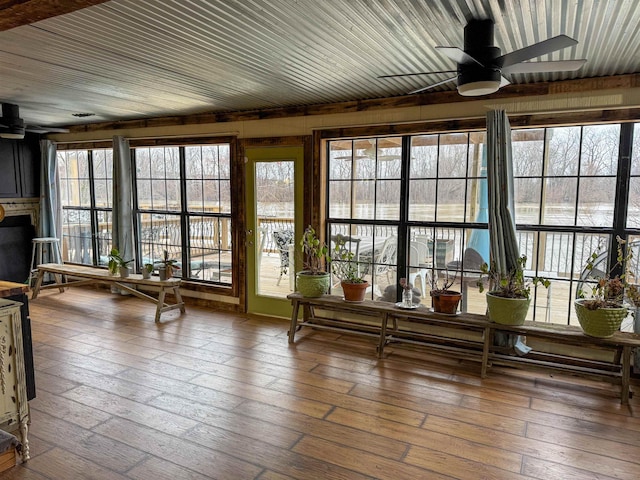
<point x="14" y="410"/>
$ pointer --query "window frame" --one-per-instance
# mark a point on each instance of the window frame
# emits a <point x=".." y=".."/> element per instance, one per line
<point x="92" y="209"/>
<point x="185" y="214"/>
<point x="621" y="203"/>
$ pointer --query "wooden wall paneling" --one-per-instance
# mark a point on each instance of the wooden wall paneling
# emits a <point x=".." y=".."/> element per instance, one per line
<point x="14" y="13"/>
<point x="432" y="98"/>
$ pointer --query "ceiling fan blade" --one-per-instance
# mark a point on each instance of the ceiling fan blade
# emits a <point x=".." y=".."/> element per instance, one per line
<point x="536" y="50"/>
<point x="537" y="67"/>
<point x="38" y="129"/>
<point x="418" y="73"/>
<point x="432" y="86"/>
<point x="458" y="55"/>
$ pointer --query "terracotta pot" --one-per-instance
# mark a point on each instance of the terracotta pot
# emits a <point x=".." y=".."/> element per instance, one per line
<point x="446" y="301"/>
<point x="354" y="292"/>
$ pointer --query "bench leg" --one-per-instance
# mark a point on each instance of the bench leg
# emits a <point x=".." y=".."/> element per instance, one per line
<point x="36" y="289"/>
<point x="626" y="372"/>
<point x="485" y="351"/>
<point x="383" y="334"/>
<point x="176" y="292"/>
<point x="294" y="321"/>
<point x="160" y="304"/>
<point x="59" y="281"/>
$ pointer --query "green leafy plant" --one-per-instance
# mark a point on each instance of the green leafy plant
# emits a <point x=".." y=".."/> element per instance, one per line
<point x="609" y="290"/>
<point x="116" y="261"/>
<point x="513" y="284"/>
<point x="315" y="253"/>
<point x="342" y="264"/>
<point x="169" y="264"/>
<point x="148" y="267"/>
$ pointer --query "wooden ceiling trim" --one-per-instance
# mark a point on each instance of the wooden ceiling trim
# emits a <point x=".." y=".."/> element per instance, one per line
<point x="511" y="91"/>
<point x="449" y="126"/>
<point x="15" y="13"/>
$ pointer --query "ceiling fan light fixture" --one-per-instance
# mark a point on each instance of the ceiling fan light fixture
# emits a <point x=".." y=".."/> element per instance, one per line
<point x="12" y="132"/>
<point x="481" y="87"/>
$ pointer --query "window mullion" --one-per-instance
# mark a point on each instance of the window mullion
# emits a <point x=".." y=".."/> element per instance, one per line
<point x="93" y="213"/>
<point x="403" y="228"/>
<point x="623" y="175"/>
<point x="184" y="221"/>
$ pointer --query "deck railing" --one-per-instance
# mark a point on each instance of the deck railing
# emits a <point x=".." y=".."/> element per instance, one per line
<point x="558" y="255"/>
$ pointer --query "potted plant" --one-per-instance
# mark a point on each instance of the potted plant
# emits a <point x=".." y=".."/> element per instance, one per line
<point x="508" y="301"/>
<point x="354" y="286"/>
<point x="443" y="299"/>
<point x="313" y="280"/>
<point x="601" y="313"/>
<point x="117" y="264"/>
<point x="147" y="270"/>
<point x="167" y="266"/>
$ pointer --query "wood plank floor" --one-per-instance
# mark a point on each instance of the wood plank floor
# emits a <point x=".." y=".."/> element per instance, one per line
<point x="218" y="395"/>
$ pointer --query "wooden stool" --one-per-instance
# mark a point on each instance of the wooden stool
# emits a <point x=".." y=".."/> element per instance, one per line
<point x="38" y="247"/>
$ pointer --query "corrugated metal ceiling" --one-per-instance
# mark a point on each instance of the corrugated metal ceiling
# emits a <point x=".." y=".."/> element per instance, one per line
<point x="128" y="59"/>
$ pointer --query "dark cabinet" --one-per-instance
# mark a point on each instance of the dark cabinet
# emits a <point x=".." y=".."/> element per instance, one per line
<point x="20" y="167"/>
<point x="10" y="178"/>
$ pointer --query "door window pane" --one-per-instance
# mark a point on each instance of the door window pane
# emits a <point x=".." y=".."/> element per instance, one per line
<point x="275" y="242"/>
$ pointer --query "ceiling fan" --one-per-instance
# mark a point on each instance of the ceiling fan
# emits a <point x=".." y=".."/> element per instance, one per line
<point x="480" y="66"/>
<point x="12" y="126"/>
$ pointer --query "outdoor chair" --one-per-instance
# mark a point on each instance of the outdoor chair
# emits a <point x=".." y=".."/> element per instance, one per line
<point x="386" y="262"/>
<point x="348" y="244"/>
<point x="283" y="239"/>
<point x="419" y="269"/>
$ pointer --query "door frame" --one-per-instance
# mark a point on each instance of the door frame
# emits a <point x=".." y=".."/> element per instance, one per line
<point x="254" y="303"/>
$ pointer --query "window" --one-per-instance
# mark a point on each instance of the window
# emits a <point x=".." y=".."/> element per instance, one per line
<point x="183" y="203"/>
<point x="426" y="195"/>
<point x="86" y="189"/>
<point x="633" y="213"/>
<point x="412" y="205"/>
<point x="565" y="183"/>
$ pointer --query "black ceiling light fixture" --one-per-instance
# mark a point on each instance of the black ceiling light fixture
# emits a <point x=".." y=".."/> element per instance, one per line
<point x="13" y="127"/>
<point x="481" y="68"/>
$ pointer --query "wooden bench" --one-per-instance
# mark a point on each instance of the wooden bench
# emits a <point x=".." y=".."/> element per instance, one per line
<point x="92" y="275"/>
<point x="387" y="323"/>
<point x="622" y="343"/>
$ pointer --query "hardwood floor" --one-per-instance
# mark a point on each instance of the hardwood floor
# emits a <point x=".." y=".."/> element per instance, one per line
<point x="218" y="395"/>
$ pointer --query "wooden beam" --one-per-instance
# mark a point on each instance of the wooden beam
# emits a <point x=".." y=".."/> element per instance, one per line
<point x="511" y="91"/>
<point x="15" y="13"/>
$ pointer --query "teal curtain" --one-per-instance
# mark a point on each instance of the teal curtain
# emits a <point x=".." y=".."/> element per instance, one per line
<point x="502" y="226"/>
<point x="50" y="224"/>
<point x="122" y="216"/>
<point x="502" y="222"/>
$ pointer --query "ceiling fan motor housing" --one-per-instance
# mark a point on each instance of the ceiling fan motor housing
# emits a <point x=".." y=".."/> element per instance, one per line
<point x="478" y="43"/>
<point x="11" y="114"/>
<point x="12" y="125"/>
